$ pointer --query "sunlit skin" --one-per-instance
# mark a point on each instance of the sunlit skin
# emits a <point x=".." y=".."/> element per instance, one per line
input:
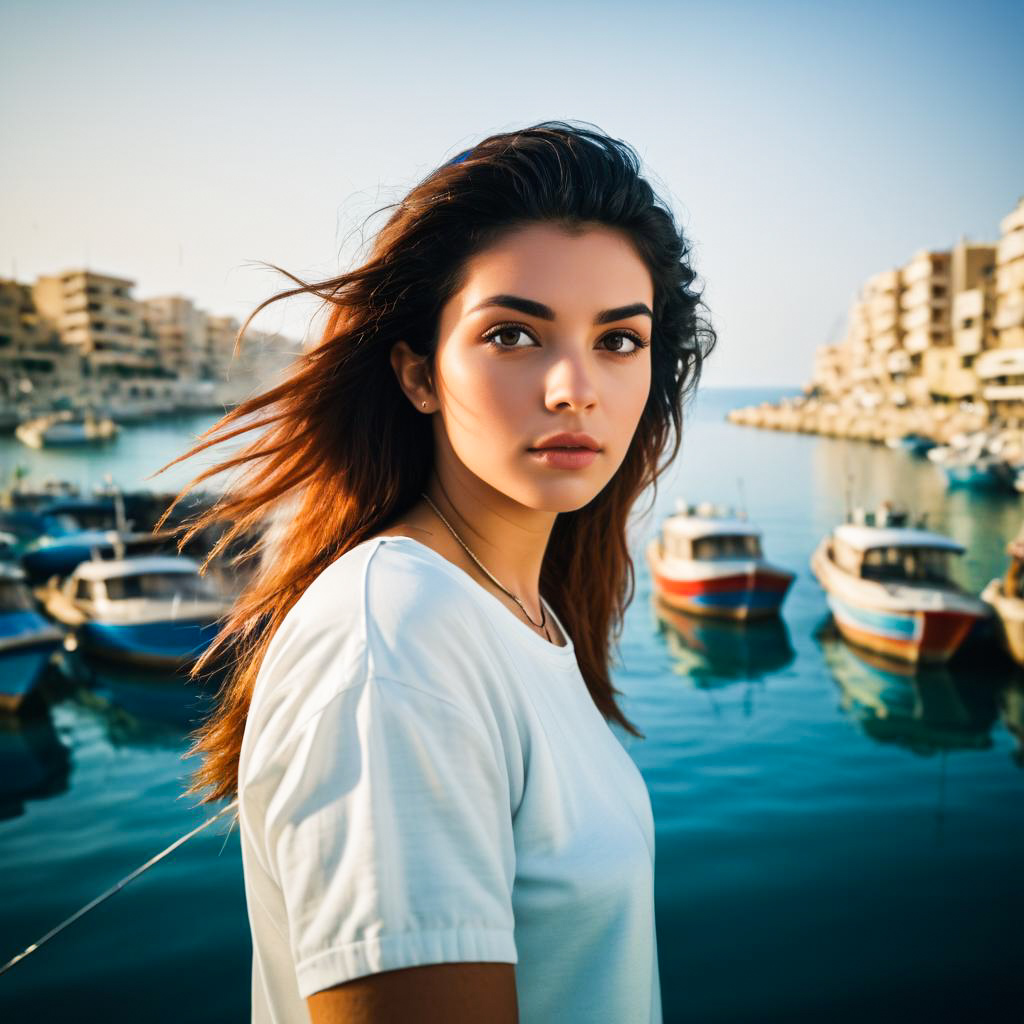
<point x="489" y="405"/>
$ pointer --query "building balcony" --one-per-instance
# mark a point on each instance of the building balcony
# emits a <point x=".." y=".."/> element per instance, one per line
<point x="886" y="281"/>
<point x="1000" y="362"/>
<point x="1003" y="393"/>
<point x="969" y="305"/>
<point x="1010" y="278"/>
<point x="1013" y="221"/>
<point x="1010" y="247"/>
<point x="1009" y="314"/>
<point x="969" y="341"/>
<point x="924" y="316"/>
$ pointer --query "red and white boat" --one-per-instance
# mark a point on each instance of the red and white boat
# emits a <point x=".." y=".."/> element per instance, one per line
<point x="707" y="561"/>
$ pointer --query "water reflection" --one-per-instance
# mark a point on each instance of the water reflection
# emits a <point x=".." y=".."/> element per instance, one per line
<point x="924" y="711"/>
<point x="34" y="763"/>
<point x="1011" y="710"/>
<point x="713" y="652"/>
<point x="139" y="708"/>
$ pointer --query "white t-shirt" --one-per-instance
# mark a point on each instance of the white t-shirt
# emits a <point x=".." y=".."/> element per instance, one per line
<point x="424" y="779"/>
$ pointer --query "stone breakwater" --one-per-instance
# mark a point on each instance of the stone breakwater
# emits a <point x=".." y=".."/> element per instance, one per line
<point x="808" y="415"/>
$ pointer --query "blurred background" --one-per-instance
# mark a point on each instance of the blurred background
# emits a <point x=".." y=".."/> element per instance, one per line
<point x="836" y="782"/>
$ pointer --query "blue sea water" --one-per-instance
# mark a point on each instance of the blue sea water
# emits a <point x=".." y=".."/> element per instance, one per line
<point x="836" y="841"/>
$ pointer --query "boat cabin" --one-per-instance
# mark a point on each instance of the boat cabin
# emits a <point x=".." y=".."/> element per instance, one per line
<point x="698" y="539"/>
<point x="149" y="578"/>
<point x="894" y="554"/>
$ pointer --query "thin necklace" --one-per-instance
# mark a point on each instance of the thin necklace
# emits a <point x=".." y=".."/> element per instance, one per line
<point x="484" y="569"/>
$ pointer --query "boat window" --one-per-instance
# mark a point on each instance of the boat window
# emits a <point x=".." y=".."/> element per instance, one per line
<point x="158" y="585"/>
<point x="909" y="565"/>
<point x="83" y="591"/>
<point x="15" y="597"/>
<point x="81" y="519"/>
<point x="727" y="546"/>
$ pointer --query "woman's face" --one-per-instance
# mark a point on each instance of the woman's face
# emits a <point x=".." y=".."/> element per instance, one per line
<point x="549" y="334"/>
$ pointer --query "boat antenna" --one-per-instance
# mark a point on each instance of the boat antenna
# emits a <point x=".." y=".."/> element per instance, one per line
<point x="116" y="888"/>
<point x="743" y="499"/>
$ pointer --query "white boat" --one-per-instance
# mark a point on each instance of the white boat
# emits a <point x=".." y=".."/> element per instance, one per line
<point x="1006" y="596"/>
<point x="889" y="589"/>
<point x="152" y="610"/>
<point x="66" y="428"/>
<point x="707" y="561"/>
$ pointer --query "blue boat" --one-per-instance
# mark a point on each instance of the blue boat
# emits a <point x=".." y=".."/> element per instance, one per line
<point x="69" y="531"/>
<point x="148" y="610"/>
<point x="27" y="641"/>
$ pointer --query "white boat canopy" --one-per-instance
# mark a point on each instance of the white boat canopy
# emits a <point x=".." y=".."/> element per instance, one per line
<point x="137" y="565"/>
<point x="862" y="538"/>
<point x="692" y="527"/>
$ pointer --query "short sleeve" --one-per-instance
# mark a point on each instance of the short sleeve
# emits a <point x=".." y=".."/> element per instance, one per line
<point x="389" y="831"/>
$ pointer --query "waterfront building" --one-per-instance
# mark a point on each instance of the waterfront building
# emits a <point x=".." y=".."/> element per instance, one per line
<point x="36" y="369"/>
<point x="1001" y="370"/>
<point x="97" y="316"/>
<point x="180" y="332"/>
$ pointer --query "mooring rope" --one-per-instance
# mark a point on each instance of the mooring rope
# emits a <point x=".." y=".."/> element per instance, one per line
<point x="118" y="887"/>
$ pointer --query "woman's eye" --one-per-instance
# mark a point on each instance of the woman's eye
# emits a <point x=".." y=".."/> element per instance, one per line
<point x="624" y="343"/>
<point x="505" y="337"/>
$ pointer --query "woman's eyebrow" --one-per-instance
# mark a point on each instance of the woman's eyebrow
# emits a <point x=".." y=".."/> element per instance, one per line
<point x="538" y="309"/>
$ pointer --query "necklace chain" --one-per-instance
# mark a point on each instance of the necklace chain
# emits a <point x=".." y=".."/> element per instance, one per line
<point x="490" y="576"/>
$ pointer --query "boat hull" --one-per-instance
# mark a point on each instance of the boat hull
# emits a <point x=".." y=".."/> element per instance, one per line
<point x="927" y="628"/>
<point x="168" y="644"/>
<point x="27" y="642"/>
<point x="751" y="593"/>
<point x="1010" y="615"/>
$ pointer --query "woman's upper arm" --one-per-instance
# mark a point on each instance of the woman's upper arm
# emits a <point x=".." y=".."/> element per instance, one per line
<point x="451" y="993"/>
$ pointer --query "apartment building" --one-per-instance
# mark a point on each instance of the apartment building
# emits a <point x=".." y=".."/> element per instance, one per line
<point x="179" y="330"/>
<point x="1001" y="369"/>
<point x="35" y="368"/>
<point x="97" y="316"/>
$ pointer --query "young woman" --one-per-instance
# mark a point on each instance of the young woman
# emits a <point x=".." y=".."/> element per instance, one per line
<point x="437" y="822"/>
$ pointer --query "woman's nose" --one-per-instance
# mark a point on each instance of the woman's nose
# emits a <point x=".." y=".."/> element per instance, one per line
<point x="569" y="383"/>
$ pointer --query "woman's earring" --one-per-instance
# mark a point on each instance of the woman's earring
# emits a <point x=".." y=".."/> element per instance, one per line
<point x="424" y="404"/>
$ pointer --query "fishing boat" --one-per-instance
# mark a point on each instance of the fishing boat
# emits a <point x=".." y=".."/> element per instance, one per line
<point x="66" y="428"/>
<point x="70" y="530"/>
<point x="27" y="641"/>
<point x="968" y="462"/>
<point x="1006" y="597"/>
<point x="889" y="588"/>
<point x="912" y="443"/>
<point x="707" y="561"/>
<point x="148" y="610"/>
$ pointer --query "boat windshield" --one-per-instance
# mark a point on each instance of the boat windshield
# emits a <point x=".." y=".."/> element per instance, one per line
<point x="15" y="597"/>
<point x="60" y="523"/>
<point x="159" y="586"/>
<point x="727" y="546"/>
<point x="906" y="565"/>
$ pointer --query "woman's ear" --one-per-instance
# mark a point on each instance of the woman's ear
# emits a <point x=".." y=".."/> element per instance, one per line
<point x="413" y="373"/>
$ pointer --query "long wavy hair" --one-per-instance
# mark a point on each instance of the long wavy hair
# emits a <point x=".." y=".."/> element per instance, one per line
<point x="341" y="453"/>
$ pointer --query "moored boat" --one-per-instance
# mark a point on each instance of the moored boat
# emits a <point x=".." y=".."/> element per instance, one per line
<point x="149" y="610"/>
<point x="1006" y="596"/>
<point x="66" y="428"/>
<point x="706" y="561"/>
<point x="27" y="640"/>
<point x="889" y="589"/>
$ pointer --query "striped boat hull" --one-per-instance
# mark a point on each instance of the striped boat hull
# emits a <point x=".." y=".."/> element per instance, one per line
<point x="756" y="592"/>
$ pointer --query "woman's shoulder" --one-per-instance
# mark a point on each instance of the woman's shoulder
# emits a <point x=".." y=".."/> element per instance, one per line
<point x="388" y="608"/>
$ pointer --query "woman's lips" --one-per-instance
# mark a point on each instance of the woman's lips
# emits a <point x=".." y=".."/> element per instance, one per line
<point x="564" y="458"/>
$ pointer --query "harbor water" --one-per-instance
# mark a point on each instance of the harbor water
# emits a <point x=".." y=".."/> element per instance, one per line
<point x="836" y="840"/>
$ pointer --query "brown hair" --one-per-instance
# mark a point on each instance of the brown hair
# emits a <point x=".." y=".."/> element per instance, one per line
<point x="344" y="453"/>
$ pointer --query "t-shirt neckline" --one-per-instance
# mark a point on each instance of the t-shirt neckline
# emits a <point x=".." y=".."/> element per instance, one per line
<point x="553" y="650"/>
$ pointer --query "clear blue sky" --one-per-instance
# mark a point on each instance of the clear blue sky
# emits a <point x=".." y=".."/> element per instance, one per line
<point x="803" y="145"/>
